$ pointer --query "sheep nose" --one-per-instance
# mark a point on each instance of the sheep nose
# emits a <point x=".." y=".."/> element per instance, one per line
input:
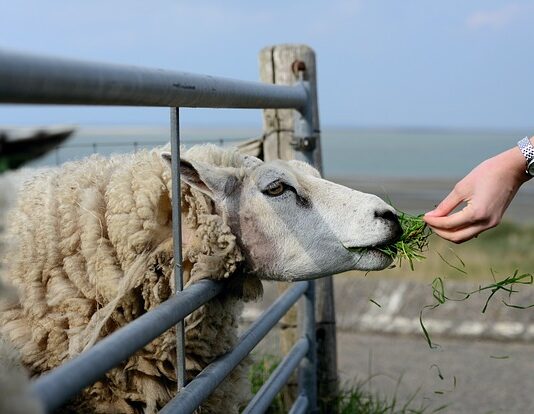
<point x="392" y="220"/>
<point x="386" y="215"/>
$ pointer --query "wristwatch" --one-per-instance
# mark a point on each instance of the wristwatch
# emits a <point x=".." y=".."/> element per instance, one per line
<point x="528" y="152"/>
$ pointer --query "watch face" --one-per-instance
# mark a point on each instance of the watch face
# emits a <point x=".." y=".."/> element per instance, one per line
<point x="530" y="168"/>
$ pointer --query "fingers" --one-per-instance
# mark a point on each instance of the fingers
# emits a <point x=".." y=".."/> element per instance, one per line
<point x="454" y="221"/>
<point x="447" y="205"/>
<point x="462" y="226"/>
<point x="462" y="235"/>
<point x="458" y="227"/>
<point x="439" y="218"/>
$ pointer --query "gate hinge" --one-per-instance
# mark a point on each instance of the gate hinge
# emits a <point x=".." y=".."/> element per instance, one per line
<point x="303" y="143"/>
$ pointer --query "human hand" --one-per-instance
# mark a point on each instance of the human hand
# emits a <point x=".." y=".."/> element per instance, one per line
<point x="487" y="191"/>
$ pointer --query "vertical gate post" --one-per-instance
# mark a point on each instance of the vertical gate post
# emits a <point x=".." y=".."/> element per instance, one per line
<point x="308" y="365"/>
<point x="177" y="241"/>
<point x="284" y="65"/>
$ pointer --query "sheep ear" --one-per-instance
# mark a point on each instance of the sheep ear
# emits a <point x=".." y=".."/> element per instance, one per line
<point x="251" y="162"/>
<point x="305" y="167"/>
<point x="212" y="181"/>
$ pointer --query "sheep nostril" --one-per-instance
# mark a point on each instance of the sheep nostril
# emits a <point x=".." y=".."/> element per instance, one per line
<point x="392" y="219"/>
<point x="386" y="215"/>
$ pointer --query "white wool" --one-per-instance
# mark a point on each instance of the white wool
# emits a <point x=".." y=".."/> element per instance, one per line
<point x="92" y="250"/>
<point x="14" y="384"/>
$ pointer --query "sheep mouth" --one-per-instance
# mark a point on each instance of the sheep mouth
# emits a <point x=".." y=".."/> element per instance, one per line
<point x="386" y="249"/>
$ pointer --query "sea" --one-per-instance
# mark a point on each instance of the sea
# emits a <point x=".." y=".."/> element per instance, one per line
<point x="347" y="152"/>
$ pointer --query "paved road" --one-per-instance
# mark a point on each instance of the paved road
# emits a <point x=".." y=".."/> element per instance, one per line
<point x="484" y="384"/>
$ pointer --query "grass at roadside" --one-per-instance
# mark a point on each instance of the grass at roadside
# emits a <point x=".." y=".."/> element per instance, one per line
<point x="352" y="399"/>
<point x="356" y="399"/>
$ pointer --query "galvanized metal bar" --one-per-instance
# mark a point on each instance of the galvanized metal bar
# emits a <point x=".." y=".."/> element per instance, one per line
<point x="304" y="139"/>
<point x="308" y="366"/>
<point x="300" y="406"/>
<point x="57" y="387"/>
<point x="263" y="398"/>
<point x="203" y="385"/>
<point x="35" y="79"/>
<point x="305" y="143"/>
<point x="177" y="240"/>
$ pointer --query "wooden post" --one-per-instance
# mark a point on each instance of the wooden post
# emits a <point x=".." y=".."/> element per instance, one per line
<point x="277" y="66"/>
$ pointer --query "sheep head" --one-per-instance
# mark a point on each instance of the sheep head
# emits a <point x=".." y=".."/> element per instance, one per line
<point x="290" y="223"/>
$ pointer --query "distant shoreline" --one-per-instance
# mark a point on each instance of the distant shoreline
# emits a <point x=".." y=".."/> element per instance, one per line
<point x="388" y="152"/>
<point x="413" y="195"/>
<point x="195" y="126"/>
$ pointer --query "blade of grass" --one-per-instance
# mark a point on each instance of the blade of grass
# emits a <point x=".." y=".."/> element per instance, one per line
<point x="440" y="375"/>
<point x="506" y="285"/>
<point x="457" y="257"/>
<point x="375" y="302"/>
<point x="450" y="264"/>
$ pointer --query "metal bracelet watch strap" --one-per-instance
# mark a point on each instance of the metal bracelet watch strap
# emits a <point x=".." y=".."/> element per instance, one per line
<point x="527" y="150"/>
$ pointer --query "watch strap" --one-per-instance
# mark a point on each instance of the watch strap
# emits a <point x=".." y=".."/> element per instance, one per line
<point x="526" y="149"/>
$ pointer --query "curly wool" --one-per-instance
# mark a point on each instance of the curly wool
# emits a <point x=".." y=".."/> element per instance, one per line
<point x="92" y="250"/>
<point x="15" y="397"/>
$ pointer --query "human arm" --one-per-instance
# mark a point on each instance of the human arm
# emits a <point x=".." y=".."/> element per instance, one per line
<point x="487" y="191"/>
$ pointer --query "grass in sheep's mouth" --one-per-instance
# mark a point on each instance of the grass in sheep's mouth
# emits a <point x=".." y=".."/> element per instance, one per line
<point x="413" y="242"/>
<point x="411" y="246"/>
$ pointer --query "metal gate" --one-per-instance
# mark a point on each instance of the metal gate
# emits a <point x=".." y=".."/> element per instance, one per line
<point x="45" y="80"/>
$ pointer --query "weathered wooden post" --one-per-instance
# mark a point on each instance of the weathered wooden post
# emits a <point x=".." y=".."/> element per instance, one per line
<point x="283" y="65"/>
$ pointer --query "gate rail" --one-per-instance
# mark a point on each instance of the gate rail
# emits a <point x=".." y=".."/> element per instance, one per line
<point x="45" y="80"/>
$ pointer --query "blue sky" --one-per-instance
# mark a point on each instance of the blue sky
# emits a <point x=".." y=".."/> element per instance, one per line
<point x="381" y="63"/>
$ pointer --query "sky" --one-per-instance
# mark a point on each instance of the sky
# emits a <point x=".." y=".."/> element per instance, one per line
<point x="381" y="63"/>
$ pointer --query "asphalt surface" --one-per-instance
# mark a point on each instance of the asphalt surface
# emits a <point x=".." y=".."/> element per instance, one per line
<point x="491" y="376"/>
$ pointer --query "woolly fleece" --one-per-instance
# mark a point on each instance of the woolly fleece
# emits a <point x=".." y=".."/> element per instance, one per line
<point x="91" y="249"/>
<point x="14" y="385"/>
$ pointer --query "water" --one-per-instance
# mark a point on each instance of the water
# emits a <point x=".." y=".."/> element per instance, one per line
<point x="409" y="154"/>
<point x="346" y="152"/>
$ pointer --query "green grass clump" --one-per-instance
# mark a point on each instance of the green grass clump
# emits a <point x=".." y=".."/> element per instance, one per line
<point x="414" y="240"/>
<point x="356" y="400"/>
<point x="259" y="373"/>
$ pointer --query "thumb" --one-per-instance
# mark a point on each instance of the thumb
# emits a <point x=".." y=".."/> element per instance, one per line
<point x="448" y="204"/>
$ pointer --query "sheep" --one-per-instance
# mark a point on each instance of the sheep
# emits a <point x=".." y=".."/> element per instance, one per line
<point x="92" y="250"/>
<point x="15" y="396"/>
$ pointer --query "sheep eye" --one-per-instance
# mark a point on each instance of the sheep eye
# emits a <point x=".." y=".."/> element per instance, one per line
<point x="275" y="190"/>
